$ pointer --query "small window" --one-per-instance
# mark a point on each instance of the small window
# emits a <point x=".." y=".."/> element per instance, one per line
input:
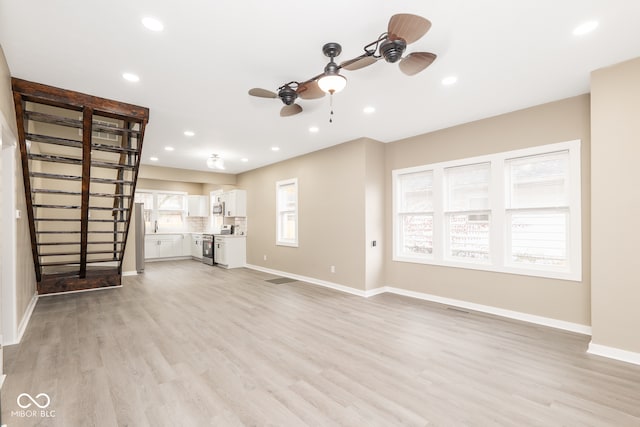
<point x="287" y="212"/>
<point x="163" y="211"/>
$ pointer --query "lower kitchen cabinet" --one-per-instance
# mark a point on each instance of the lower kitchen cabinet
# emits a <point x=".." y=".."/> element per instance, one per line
<point x="166" y="246"/>
<point x="196" y="246"/>
<point x="230" y="251"/>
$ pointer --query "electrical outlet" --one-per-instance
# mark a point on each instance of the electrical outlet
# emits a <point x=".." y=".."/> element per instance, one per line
<point x="333" y="268"/>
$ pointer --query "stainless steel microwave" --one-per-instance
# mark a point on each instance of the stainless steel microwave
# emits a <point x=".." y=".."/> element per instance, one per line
<point x="218" y="208"/>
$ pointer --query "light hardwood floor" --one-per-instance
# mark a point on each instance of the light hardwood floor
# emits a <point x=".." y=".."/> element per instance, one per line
<point x="188" y="344"/>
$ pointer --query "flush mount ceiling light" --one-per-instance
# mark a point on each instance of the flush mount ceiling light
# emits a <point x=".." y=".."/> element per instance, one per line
<point x="168" y="148"/>
<point x="314" y="129"/>
<point x="244" y="160"/>
<point x="215" y="162"/>
<point x="368" y="110"/>
<point x="130" y="77"/>
<point x="189" y="133"/>
<point x="332" y="81"/>
<point x="152" y="24"/>
<point x="153" y="159"/>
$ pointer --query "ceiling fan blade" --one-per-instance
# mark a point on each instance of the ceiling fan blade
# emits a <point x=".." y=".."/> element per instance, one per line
<point x="407" y="27"/>
<point x="416" y="62"/>
<point x="290" y="110"/>
<point x="262" y="93"/>
<point x="357" y="63"/>
<point x="310" y="90"/>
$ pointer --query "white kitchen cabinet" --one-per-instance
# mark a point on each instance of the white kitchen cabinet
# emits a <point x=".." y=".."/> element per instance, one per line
<point x="198" y="206"/>
<point x="196" y="246"/>
<point x="166" y="246"/>
<point x="235" y="203"/>
<point x="230" y="251"/>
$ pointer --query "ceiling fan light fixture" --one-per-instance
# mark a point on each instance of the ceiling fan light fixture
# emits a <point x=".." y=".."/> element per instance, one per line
<point x="215" y="162"/>
<point x="332" y="81"/>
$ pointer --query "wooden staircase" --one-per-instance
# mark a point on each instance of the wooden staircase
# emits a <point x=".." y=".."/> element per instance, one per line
<point x="80" y="158"/>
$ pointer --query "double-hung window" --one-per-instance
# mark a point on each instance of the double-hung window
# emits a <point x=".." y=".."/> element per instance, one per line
<point x="467" y="214"/>
<point x="513" y="212"/>
<point x="287" y="212"/>
<point x="163" y="210"/>
<point x="538" y="209"/>
<point x="415" y="214"/>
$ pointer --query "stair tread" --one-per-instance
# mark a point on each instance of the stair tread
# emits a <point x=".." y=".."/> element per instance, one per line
<point x="55" y="176"/>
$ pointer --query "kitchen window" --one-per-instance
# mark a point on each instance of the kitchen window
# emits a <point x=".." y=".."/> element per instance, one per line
<point x="514" y="212"/>
<point x="287" y="212"/>
<point x="164" y="211"/>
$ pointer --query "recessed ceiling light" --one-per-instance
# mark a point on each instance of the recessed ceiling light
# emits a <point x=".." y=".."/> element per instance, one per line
<point x="244" y="160"/>
<point x="152" y="24"/>
<point x="130" y="77"/>
<point x="585" y="28"/>
<point x="153" y="159"/>
<point x="168" y="148"/>
<point x="314" y="129"/>
<point x="189" y="133"/>
<point x="449" y="80"/>
<point x="275" y="148"/>
<point x="368" y="110"/>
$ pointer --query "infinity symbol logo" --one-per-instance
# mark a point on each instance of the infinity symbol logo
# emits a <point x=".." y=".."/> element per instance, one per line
<point x="33" y="401"/>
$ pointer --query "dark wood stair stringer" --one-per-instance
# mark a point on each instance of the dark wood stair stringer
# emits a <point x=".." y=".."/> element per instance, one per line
<point x="50" y="194"/>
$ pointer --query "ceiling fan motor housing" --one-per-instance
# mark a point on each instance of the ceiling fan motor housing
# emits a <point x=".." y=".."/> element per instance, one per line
<point x="392" y="50"/>
<point x="287" y="95"/>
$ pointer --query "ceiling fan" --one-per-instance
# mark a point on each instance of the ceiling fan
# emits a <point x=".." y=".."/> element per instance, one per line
<point x="402" y="30"/>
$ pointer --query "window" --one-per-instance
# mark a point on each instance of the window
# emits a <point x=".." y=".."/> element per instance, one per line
<point x="416" y="213"/>
<point x="287" y="212"/>
<point x="467" y="212"/>
<point x="538" y="210"/>
<point x="163" y="211"/>
<point x="514" y="212"/>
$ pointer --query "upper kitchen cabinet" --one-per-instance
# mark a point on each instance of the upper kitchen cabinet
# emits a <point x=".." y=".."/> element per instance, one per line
<point x="235" y="203"/>
<point x="198" y="206"/>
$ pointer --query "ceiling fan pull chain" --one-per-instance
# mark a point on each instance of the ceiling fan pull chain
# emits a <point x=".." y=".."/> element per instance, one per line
<point x="331" y="107"/>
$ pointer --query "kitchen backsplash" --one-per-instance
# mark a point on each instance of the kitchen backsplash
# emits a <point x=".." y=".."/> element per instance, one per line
<point x="201" y="224"/>
<point x="196" y="224"/>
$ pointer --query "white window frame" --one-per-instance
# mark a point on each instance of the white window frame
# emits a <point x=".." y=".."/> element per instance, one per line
<point x="280" y="241"/>
<point x="499" y="214"/>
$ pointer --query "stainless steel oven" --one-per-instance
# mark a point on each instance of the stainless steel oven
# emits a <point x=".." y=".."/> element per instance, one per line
<point x="207" y="249"/>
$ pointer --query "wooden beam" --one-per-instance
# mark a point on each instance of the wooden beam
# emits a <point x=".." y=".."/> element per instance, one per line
<point x="54" y="96"/>
<point x="26" y="178"/>
<point x="87" y="121"/>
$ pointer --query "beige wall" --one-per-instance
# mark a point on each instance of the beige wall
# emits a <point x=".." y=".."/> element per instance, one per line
<point x="25" y="283"/>
<point x="555" y="122"/>
<point x="374" y="214"/>
<point x="6" y="95"/>
<point x="184" y="175"/>
<point x="615" y="130"/>
<point x="331" y="187"/>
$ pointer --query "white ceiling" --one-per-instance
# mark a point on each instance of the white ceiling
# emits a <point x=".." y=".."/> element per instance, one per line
<point x="195" y="74"/>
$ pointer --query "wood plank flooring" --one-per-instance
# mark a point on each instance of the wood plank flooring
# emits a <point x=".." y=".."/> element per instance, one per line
<point x="187" y="344"/>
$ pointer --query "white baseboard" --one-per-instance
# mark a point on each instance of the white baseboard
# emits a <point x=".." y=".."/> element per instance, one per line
<point x="313" y="281"/>
<point x="129" y="273"/>
<point x="530" y="318"/>
<point x="510" y="314"/>
<point x="614" y="353"/>
<point x="25" y="319"/>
